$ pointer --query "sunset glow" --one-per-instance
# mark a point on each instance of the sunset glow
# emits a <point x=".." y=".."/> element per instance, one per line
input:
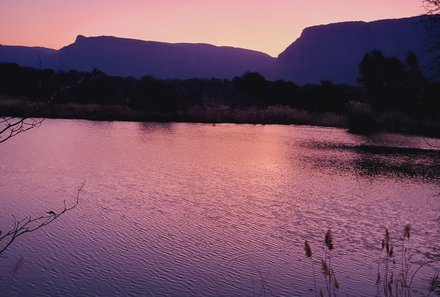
<point x="267" y="26"/>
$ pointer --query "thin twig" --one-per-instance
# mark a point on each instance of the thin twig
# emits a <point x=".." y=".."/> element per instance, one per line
<point x="29" y="224"/>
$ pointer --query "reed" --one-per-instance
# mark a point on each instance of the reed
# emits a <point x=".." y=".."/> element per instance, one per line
<point x="393" y="279"/>
<point x="309" y="255"/>
<point x="331" y="282"/>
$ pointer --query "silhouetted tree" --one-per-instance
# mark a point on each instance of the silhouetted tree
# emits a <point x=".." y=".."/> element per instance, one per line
<point x="41" y="88"/>
<point x="325" y="97"/>
<point x="252" y="88"/>
<point x="15" y="80"/>
<point x="381" y="77"/>
<point x="415" y="84"/>
<point x="284" y="93"/>
<point x="157" y="95"/>
<point x="390" y="84"/>
<point x="430" y="101"/>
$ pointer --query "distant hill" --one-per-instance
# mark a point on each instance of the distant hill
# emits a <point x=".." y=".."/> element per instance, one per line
<point x="129" y="57"/>
<point x="333" y="52"/>
<point x="326" y="52"/>
<point x="28" y="56"/>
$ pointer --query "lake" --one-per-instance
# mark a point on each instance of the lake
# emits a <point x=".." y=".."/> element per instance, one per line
<point x="212" y="210"/>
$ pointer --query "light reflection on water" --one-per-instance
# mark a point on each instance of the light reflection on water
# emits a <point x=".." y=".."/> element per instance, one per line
<point x="211" y="210"/>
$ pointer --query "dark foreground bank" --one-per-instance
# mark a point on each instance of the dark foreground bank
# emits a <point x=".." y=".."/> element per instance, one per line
<point x="276" y="114"/>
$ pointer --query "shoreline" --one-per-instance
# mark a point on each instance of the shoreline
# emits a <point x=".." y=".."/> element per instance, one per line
<point x="270" y="115"/>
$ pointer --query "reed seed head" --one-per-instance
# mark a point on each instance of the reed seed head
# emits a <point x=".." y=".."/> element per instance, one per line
<point x="325" y="269"/>
<point x="387" y="235"/>
<point x="407" y="231"/>
<point x="391" y="252"/>
<point x="307" y="249"/>
<point x="329" y="240"/>
<point x="336" y="284"/>
<point x="386" y="241"/>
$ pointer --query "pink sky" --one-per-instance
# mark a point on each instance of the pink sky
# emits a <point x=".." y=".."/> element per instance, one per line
<point x="265" y="25"/>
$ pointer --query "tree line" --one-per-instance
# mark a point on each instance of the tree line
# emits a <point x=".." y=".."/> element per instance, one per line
<point x="386" y="84"/>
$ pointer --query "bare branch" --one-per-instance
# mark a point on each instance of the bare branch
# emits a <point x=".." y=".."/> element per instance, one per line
<point x="432" y="7"/>
<point x="30" y="224"/>
<point x="10" y="127"/>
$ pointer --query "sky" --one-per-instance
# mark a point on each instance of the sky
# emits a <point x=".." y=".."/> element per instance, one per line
<point x="264" y="25"/>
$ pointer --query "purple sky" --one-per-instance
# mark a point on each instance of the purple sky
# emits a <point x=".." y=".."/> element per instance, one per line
<point x="264" y="25"/>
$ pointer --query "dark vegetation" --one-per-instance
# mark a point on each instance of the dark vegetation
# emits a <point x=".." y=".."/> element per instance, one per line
<point x="391" y="95"/>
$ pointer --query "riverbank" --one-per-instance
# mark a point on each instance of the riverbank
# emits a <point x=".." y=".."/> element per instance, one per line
<point x="276" y="114"/>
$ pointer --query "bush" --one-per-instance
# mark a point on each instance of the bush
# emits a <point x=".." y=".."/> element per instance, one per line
<point x="361" y="118"/>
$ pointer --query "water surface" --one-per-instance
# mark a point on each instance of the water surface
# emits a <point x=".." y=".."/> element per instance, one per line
<point x="211" y="210"/>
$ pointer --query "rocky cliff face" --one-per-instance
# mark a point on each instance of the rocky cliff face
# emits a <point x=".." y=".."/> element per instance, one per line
<point x="333" y="52"/>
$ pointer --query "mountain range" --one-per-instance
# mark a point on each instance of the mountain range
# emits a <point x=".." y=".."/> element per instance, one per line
<point x="333" y="52"/>
<point x="325" y="52"/>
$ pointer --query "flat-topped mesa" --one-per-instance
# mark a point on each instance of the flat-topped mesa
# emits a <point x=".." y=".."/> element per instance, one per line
<point x="131" y="57"/>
